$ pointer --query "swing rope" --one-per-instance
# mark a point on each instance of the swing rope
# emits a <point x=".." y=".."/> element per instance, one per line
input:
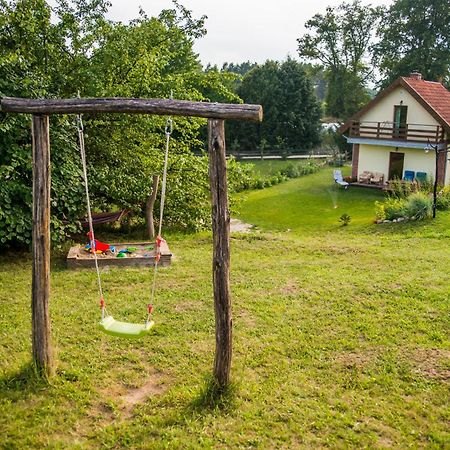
<point x="159" y="240"/>
<point x="80" y="128"/>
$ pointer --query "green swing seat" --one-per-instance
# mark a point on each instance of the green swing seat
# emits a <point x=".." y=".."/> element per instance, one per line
<point x="123" y="329"/>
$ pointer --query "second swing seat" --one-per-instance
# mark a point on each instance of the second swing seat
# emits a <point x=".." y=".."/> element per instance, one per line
<point x="124" y="329"/>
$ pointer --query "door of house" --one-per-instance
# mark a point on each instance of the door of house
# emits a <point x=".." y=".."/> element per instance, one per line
<point x="399" y="128"/>
<point x="396" y="165"/>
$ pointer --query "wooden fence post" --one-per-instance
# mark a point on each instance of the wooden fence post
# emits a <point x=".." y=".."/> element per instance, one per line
<point x="41" y="330"/>
<point x="221" y="250"/>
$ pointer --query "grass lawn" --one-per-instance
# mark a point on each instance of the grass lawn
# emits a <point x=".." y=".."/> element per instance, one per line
<point x="340" y="338"/>
<point x="310" y="203"/>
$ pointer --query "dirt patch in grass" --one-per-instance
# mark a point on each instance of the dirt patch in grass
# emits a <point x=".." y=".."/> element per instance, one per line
<point x="202" y="346"/>
<point x="290" y="288"/>
<point x="138" y="395"/>
<point x="119" y="398"/>
<point x="245" y="319"/>
<point x="185" y="307"/>
<point x="356" y="359"/>
<point x="432" y="363"/>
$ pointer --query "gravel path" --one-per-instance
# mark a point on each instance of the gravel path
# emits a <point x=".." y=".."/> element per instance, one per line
<point x="237" y="226"/>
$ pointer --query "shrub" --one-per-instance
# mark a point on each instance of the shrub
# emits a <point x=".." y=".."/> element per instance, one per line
<point x="240" y="176"/>
<point x="390" y="209"/>
<point x="400" y="189"/>
<point x="403" y="189"/>
<point x="67" y="191"/>
<point x="443" y="199"/>
<point x="425" y="186"/>
<point x="419" y="206"/>
<point x="291" y="171"/>
<point x="345" y="219"/>
<point x="297" y="170"/>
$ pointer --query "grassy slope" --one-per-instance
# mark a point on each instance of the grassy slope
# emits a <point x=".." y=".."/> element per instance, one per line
<point x="313" y="203"/>
<point x="340" y="339"/>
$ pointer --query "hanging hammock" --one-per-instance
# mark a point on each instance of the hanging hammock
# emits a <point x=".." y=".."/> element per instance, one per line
<point x="105" y="217"/>
<point x="100" y="218"/>
<point x="108" y="324"/>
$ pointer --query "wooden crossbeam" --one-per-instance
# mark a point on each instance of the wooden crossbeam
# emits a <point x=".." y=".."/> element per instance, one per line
<point x="133" y="106"/>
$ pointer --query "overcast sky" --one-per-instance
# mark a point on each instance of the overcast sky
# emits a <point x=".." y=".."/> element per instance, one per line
<point x="240" y="30"/>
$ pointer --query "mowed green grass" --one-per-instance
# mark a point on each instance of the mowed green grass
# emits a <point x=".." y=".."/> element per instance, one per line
<point x="310" y="204"/>
<point x="340" y="340"/>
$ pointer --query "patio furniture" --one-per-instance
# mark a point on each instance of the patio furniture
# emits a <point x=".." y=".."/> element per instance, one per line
<point x="337" y="175"/>
<point x="365" y="177"/>
<point x="409" y="175"/>
<point x="421" y="177"/>
<point x="377" y="178"/>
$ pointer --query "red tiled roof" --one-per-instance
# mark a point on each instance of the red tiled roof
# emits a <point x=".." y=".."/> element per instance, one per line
<point x="434" y="95"/>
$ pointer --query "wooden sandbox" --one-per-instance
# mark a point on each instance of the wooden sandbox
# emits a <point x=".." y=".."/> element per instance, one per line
<point x="78" y="257"/>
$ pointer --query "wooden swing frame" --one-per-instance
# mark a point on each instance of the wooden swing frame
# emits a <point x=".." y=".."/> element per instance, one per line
<point x="216" y="113"/>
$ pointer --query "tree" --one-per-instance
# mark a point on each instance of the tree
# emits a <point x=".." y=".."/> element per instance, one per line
<point x="241" y="68"/>
<point x="79" y="50"/>
<point x="29" y="48"/>
<point x="414" y="36"/>
<point x="339" y="40"/>
<point x="318" y="78"/>
<point x="291" y="111"/>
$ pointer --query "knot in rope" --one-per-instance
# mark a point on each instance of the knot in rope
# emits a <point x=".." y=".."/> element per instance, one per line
<point x="169" y="127"/>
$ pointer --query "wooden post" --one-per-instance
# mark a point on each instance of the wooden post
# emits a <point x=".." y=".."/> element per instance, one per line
<point x="149" y="205"/>
<point x="221" y="250"/>
<point x="41" y="331"/>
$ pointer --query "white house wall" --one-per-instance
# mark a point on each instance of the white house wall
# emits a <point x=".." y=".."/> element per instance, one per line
<point x="383" y="111"/>
<point x="375" y="158"/>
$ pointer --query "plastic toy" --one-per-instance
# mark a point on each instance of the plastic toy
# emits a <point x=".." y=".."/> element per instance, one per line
<point x="98" y="246"/>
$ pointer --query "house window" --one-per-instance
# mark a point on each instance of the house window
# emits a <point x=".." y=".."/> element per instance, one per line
<point x="400" y="128"/>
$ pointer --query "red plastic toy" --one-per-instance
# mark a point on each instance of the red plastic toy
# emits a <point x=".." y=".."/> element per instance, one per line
<point x="99" y="246"/>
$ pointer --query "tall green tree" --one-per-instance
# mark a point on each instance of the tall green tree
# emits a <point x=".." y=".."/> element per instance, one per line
<point x="414" y="35"/>
<point x="339" y="40"/>
<point x="73" y="48"/>
<point x="291" y="111"/>
<point x="240" y="68"/>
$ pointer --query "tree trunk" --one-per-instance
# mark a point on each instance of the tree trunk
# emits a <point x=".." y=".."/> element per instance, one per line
<point x="221" y="250"/>
<point x="41" y="329"/>
<point x="149" y="205"/>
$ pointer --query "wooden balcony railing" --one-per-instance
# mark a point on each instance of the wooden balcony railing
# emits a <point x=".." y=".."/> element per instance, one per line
<point x="391" y="131"/>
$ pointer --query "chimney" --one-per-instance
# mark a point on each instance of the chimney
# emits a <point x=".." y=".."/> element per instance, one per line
<point x="415" y="75"/>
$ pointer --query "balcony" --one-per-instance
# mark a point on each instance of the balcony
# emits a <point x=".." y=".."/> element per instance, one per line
<point x="390" y="131"/>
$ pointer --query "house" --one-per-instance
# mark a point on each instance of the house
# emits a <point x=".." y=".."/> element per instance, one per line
<point x="396" y="133"/>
